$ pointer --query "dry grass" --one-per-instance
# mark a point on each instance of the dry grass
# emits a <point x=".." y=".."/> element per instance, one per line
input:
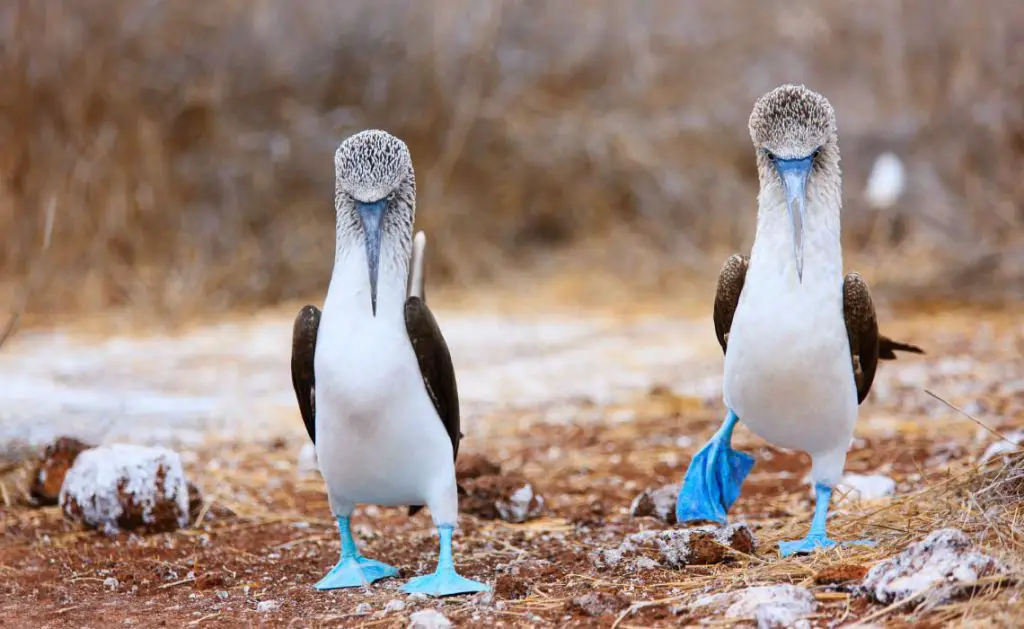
<point x="184" y="147"/>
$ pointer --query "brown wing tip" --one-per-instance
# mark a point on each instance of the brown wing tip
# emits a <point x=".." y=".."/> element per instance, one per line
<point x="887" y="348"/>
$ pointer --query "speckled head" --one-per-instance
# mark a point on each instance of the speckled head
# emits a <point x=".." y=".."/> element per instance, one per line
<point x="375" y="198"/>
<point x="794" y="133"/>
<point x="792" y="122"/>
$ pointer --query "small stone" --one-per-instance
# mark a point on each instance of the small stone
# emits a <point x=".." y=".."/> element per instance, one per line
<point x="222" y="595"/>
<point x="111" y="583"/>
<point x="509" y="497"/>
<point x="676" y="548"/>
<point x="840" y="573"/>
<point x="126" y="487"/>
<point x="307" y="463"/>
<point x="394" y="605"/>
<point x="868" y="486"/>
<point x="428" y="619"/>
<point x="945" y="562"/>
<point x="265" y="607"/>
<point x="598" y="604"/>
<point x="771" y="606"/>
<point x="659" y="503"/>
<point x="53" y="466"/>
<point x="363" y="609"/>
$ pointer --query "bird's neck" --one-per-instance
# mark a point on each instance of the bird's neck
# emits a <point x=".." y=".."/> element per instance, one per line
<point x="772" y="253"/>
<point x="350" y="280"/>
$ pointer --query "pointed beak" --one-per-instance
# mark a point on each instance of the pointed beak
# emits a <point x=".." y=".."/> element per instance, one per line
<point x="372" y="215"/>
<point x="794" y="174"/>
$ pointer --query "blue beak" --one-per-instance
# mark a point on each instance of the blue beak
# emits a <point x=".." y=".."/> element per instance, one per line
<point x="371" y="215"/>
<point x="794" y="174"/>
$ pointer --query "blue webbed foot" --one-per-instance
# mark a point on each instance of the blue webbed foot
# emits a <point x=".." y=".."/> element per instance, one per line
<point x="355" y="572"/>
<point x="713" y="480"/>
<point x="817" y="538"/>
<point x="445" y="581"/>
<point x="812" y="543"/>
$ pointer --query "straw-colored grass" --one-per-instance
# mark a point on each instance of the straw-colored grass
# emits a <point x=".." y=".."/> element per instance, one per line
<point x="184" y="148"/>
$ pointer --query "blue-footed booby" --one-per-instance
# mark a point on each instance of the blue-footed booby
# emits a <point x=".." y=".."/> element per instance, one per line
<point x="372" y="373"/>
<point x="800" y="339"/>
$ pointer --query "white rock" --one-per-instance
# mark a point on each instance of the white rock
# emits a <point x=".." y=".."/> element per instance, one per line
<point x="1012" y="443"/>
<point x="943" y="563"/>
<point x="428" y="619"/>
<point x="394" y="605"/>
<point x="122" y="485"/>
<point x="521" y="506"/>
<point x="363" y="609"/>
<point x="307" y="463"/>
<point x="267" y="606"/>
<point x="772" y="606"/>
<point x="868" y="486"/>
<point x="111" y="583"/>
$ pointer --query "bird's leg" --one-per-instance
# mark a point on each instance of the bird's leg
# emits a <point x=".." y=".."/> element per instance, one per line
<point x="445" y="581"/>
<point x="714" y="478"/>
<point x="817" y="536"/>
<point x="353" y="570"/>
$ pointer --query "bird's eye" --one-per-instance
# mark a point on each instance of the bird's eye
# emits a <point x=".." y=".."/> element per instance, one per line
<point x="768" y="154"/>
<point x="391" y="197"/>
<point x="816" y="153"/>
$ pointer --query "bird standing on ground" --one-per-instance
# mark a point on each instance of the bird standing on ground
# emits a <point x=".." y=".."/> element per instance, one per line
<point x="800" y="339"/>
<point x="373" y="376"/>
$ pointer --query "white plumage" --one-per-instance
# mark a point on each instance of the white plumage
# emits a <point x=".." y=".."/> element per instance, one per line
<point x="788" y="371"/>
<point x="379" y="438"/>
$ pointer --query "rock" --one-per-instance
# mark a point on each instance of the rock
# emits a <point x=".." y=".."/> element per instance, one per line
<point x="839" y="573"/>
<point x="868" y="486"/>
<point x="363" y="609"/>
<point x="945" y="561"/>
<point x="597" y="604"/>
<point x="126" y="487"/>
<point x="111" y="584"/>
<point x="306" y="463"/>
<point x="264" y="607"/>
<point x="53" y="466"/>
<point x="394" y="605"/>
<point x="474" y="465"/>
<point x="659" y="503"/>
<point x="771" y="606"/>
<point x="676" y="548"/>
<point x="428" y="619"/>
<point x="1012" y="443"/>
<point x="509" y="497"/>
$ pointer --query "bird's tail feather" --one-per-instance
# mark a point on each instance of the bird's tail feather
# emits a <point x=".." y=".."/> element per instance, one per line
<point x="887" y="348"/>
<point x="416" y="280"/>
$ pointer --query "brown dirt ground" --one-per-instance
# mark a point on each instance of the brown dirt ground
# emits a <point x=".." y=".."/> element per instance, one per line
<point x="267" y="535"/>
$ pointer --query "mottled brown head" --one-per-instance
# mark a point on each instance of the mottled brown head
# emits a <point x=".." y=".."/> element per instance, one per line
<point x="375" y="197"/>
<point x="792" y="122"/>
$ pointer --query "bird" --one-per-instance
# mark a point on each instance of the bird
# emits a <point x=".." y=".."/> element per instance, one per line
<point x="800" y="338"/>
<point x="372" y="373"/>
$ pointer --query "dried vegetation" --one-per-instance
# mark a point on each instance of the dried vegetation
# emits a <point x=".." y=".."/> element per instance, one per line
<point x="182" y="149"/>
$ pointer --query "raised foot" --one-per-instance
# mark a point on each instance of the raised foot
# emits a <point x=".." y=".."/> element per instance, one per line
<point x="812" y="543"/>
<point x="443" y="583"/>
<point x="712" y="483"/>
<point x="355" y="572"/>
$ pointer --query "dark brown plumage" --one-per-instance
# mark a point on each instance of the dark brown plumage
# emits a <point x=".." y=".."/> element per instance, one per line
<point x="867" y="346"/>
<point x="307" y="322"/>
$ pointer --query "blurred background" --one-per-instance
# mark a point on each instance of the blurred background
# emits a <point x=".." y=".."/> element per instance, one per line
<point x="175" y="156"/>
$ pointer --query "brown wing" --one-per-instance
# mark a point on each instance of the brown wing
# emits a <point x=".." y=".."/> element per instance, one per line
<point x="436" y="366"/>
<point x="303" y="377"/>
<point x="862" y="330"/>
<point x="727" y="297"/>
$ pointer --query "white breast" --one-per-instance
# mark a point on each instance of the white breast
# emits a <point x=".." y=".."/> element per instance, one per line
<point x="788" y="372"/>
<point x="379" y="438"/>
